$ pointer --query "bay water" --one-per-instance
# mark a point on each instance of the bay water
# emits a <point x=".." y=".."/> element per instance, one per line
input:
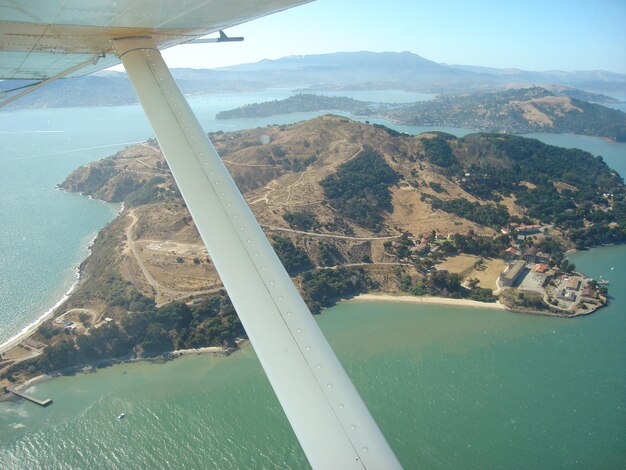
<point x="450" y="387"/>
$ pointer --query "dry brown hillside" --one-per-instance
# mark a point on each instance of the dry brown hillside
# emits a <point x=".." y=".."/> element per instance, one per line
<point x="283" y="172"/>
<point x="279" y="169"/>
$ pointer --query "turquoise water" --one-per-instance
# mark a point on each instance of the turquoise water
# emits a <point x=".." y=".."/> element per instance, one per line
<point x="450" y="388"/>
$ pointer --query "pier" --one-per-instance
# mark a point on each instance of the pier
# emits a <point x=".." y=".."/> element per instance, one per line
<point x="44" y="403"/>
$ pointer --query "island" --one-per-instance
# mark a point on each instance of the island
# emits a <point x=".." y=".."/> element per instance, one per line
<point x="350" y="209"/>
<point x="513" y="111"/>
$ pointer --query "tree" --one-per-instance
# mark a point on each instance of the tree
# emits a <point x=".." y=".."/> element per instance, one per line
<point x="359" y="189"/>
<point x="567" y="266"/>
<point x="293" y="258"/>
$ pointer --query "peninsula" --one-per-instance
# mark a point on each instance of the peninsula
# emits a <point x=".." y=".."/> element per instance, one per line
<point x="514" y="111"/>
<point x="350" y="208"/>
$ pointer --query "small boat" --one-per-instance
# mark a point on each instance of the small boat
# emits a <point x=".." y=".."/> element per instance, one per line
<point x="121" y="415"/>
<point x="603" y="281"/>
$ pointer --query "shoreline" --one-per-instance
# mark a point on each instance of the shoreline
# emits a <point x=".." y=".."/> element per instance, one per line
<point x="158" y="359"/>
<point x="30" y="329"/>
<point x="429" y="300"/>
<point x="215" y="350"/>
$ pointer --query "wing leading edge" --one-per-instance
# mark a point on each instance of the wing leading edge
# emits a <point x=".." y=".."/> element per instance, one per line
<point x="39" y="40"/>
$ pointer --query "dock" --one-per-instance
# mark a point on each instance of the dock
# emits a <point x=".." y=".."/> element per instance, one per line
<point x="44" y="403"/>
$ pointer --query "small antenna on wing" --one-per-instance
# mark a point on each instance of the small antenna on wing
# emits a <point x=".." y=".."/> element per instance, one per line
<point x="223" y="38"/>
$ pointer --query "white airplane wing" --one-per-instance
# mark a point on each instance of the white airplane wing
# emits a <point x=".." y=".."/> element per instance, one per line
<point x="41" y="39"/>
<point x="46" y="39"/>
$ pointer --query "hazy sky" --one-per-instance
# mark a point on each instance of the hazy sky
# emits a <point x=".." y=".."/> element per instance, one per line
<point x="527" y="34"/>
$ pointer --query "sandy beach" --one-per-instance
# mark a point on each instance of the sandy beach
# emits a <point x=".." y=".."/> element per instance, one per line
<point x="206" y="350"/>
<point x="27" y="332"/>
<point x="428" y="300"/>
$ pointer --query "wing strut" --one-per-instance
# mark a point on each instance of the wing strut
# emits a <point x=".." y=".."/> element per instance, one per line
<point x="34" y="86"/>
<point x="324" y="409"/>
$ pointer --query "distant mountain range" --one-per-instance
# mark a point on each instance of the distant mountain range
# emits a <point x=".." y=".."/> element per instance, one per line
<point x="405" y="70"/>
<point x="338" y="71"/>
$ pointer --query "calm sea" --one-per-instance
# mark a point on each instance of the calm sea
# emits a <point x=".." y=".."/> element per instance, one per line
<point x="450" y="387"/>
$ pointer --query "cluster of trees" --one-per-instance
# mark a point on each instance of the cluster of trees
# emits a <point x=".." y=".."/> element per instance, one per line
<point x="608" y="226"/>
<point x="439" y="282"/>
<point x="323" y="287"/>
<point x="150" y="192"/>
<point x="436" y="187"/>
<point x="599" y="235"/>
<point x="490" y="215"/>
<point x="445" y="284"/>
<point x="359" y="189"/>
<point x="99" y="174"/>
<point x="402" y="247"/>
<point x="481" y="246"/>
<point x="303" y="219"/>
<point x="481" y="294"/>
<point x="329" y="254"/>
<point x="568" y="185"/>
<point x="439" y="152"/>
<point x="123" y="187"/>
<point x="149" y="332"/>
<point x="524" y="299"/>
<point x="293" y="258"/>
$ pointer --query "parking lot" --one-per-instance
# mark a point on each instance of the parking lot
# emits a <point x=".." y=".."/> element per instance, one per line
<point x="532" y="281"/>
